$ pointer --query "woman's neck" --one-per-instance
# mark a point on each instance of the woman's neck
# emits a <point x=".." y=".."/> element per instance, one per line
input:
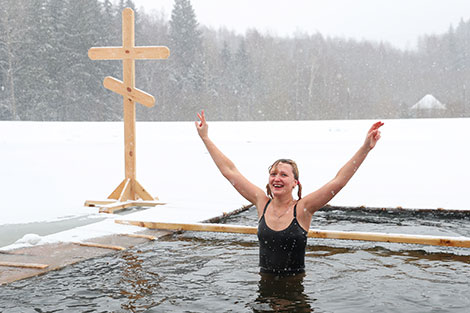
<point x="283" y="202"/>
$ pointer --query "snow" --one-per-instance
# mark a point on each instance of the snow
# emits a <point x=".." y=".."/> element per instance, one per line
<point x="31" y="239"/>
<point x="49" y="169"/>
<point x="428" y="102"/>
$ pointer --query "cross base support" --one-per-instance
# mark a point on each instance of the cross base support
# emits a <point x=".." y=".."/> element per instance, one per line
<point x="111" y="206"/>
<point x="128" y="194"/>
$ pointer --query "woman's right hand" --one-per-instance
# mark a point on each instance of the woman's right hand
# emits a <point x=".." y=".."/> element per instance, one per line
<point x="201" y="125"/>
<point x="373" y="135"/>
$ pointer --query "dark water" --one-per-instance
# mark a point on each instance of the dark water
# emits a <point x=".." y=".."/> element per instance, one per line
<point x="202" y="272"/>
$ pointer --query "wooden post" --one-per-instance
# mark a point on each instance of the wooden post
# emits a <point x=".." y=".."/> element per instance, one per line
<point x="128" y="76"/>
<point x="129" y="190"/>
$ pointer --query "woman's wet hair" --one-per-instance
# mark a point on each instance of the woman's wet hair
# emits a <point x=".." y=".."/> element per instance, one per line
<point x="295" y="171"/>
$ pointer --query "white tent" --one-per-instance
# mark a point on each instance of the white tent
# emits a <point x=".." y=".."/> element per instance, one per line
<point x="428" y="102"/>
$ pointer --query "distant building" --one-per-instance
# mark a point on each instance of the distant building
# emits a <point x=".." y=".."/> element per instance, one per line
<point x="428" y="106"/>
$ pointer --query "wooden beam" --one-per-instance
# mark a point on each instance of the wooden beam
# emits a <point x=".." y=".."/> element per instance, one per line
<point x="99" y="245"/>
<point x="463" y="242"/>
<point x="117" y="206"/>
<point x="137" y="53"/>
<point x="128" y="78"/>
<point x="126" y="191"/>
<point x="313" y="233"/>
<point x="24" y="265"/>
<point x="203" y="227"/>
<point x="129" y="92"/>
<point x="94" y="203"/>
<point x="128" y="33"/>
<point x="152" y="52"/>
<point x="118" y="191"/>
<point x="129" y="138"/>
<point x="149" y="237"/>
<point x="141" y="192"/>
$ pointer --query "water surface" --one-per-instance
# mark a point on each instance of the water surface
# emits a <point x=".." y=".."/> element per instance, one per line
<point x="208" y="272"/>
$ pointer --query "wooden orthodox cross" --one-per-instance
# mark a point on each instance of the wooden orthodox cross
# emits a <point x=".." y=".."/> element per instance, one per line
<point x="128" y="193"/>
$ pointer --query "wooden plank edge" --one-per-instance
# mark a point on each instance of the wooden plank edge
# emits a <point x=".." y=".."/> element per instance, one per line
<point x="116" y="206"/>
<point x="462" y="242"/>
<point x="398" y="209"/>
<point x="99" y="245"/>
<point x="204" y="227"/>
<point x="25" y="265"/>
<point x="95" y="203"/>
<point x="149" y="237"/>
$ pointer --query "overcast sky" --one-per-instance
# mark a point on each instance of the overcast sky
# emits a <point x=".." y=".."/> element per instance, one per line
<point x="399" y="22"/>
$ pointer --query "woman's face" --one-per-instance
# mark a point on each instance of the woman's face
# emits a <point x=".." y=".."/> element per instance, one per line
<point x="281" y="179"/>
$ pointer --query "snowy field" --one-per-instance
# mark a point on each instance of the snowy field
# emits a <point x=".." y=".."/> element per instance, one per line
<point x="49" y="169"/>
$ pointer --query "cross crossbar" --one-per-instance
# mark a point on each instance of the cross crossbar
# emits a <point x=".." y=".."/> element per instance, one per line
<point x="121" y="53"/>
<point x="134" y="94"/>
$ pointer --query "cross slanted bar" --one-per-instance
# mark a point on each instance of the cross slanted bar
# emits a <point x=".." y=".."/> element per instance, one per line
<point x="129" y="190"/>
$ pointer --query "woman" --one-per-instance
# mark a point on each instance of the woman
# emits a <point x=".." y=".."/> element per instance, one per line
<point x="284" y="221"/>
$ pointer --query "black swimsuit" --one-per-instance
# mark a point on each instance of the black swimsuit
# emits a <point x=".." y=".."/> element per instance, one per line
<point x="282" y="252"/>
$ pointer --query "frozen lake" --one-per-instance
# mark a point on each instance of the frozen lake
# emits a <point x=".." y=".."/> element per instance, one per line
<point x="49" y="169"/>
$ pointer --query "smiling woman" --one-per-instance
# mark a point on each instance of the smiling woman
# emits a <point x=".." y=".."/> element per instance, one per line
<point x="283" y="221"/>
<point x="282" y="165"/>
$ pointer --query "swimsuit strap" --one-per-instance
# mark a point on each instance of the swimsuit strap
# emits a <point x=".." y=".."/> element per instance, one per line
<point x="266" y="206"/>
<point x="269" y="201"/>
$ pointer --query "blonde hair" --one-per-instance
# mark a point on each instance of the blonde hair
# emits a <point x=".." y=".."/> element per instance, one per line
<point x="295" y="171"/>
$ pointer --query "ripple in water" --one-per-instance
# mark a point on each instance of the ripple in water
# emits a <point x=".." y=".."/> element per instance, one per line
<point x="202" y="272"/>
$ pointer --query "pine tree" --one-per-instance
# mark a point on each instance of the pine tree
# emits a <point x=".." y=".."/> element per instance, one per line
<point x="82" y="77"/>
<point x="186" y="71"/>
<point x="5" y="111"/>
<point x="152" y="75"/>
<point x="13" y="39"/>
<point x="244" y="82"/>
<point x="41" y="89"/>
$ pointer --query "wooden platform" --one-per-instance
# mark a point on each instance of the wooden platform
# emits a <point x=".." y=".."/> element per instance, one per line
<point x="44" y="258"/>
<point x="37" y="260"/>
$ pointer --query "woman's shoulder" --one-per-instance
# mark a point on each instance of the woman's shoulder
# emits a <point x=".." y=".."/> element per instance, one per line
<point x="301" y="208"/>
<point x="261" y="204"/>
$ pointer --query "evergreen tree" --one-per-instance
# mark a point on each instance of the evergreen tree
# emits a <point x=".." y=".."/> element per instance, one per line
<point x="45" y="72"/>
<point x="226" y="103"/>
<point x="82" y="77"/>
<point x="13" y="40"/>
<point x="186" y="71"/>
<point x="244" y="82"/>
<point x="41" y="92"/>
<point x="152" y="75"/>
<point x="5" y="110"/>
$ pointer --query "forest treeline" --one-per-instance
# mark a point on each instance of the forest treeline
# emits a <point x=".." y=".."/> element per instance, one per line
<point x="46" y="75"/>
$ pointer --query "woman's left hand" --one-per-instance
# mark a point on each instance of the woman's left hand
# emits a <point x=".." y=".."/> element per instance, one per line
<point x="373" y="135"/>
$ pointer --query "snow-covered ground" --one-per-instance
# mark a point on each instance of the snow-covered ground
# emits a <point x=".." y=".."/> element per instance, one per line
<point x="49" y="169"/>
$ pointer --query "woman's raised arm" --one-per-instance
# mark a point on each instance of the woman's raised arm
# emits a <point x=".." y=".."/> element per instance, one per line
<point x="317" y="199"/>
<point x="228" y="169"/>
